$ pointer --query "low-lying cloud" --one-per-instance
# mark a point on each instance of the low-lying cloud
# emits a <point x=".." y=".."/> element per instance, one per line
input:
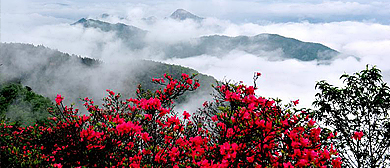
<point x="362" y="37"/>
<point x="287" y="80"/>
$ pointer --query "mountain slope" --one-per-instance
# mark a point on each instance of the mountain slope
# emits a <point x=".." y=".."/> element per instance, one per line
<point x="181" y="14"/>
<point x="258" y="45"/>
<point x="272" y="46"/>
<point x="49" y="72"/>
<point x="132" y="36"/>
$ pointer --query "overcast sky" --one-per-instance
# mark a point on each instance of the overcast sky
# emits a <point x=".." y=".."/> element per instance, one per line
<point x="359" y="28"/>
<point x="237" y="11"/>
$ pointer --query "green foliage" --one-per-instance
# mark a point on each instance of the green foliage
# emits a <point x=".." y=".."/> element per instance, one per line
<point x="362" y="106"/>
<point x="22" y="105"/>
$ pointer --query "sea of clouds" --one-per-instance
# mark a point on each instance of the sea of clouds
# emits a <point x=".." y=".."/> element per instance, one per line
<point x="359" y="30"/>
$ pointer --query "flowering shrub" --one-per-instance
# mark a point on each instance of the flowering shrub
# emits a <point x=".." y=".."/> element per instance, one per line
<point x="250" y="131"/>
<point x="238" y="129"/>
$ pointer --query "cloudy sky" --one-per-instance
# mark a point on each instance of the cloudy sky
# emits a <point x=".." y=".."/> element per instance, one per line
<point x="357" y="28"/>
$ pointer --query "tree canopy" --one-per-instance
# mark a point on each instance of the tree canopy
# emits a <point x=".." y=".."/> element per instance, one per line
<point x="359" y="114"/>
<point x="20" y="104"/>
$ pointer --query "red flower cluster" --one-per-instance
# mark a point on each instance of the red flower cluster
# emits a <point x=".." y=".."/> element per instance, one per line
<point x="238" y="129"/>
<point x="358" y="135"/>
<point x="59" y="99"/>
<point x="254" y="131"/>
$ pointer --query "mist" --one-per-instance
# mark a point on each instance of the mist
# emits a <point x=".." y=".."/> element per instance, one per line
<point x="361" y="37"/>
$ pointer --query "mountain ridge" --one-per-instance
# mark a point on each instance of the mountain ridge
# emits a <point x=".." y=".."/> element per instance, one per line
<point x="291" y="48"/>
<point x="49" y="72"/>
<point x="131" y="35"/>
<point x="288" y="48"/>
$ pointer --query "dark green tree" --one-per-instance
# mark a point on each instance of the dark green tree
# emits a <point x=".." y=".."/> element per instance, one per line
<point x="359" y="113"/>
<point x="20" y="104"/>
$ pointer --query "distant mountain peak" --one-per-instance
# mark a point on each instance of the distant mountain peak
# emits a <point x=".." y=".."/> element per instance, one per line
<point x="106" y="26"/>
<point x="82" y="20"/>
<point x="131" y="35"/>
<point x="181" y="11"/>
<point x="181" y="14"/>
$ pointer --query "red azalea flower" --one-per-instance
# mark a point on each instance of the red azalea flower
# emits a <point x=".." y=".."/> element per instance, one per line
<point x="336" y="163"/>
<point x="358" y="135"/>
<point x="59" y="99"/>
<point x="186" y="115"/>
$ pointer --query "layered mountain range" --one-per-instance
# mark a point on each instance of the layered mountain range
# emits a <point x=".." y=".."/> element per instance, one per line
<point x="216" y="45"/>
<point x="48" y="72"/>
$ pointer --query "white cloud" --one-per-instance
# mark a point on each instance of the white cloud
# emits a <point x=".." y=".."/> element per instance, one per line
<point x="291" y="79"/>
<point x="288" y="79"/>
<point x="47" y="23"/>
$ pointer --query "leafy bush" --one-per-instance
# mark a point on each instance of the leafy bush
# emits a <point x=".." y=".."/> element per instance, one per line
<point x="359" y="114"/>
<point x="237" y="129"/>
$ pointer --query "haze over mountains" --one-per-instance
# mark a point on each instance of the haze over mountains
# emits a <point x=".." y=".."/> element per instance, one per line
<point x="123" y="72"/>
<point x="132" y="36"/>
<point x="358" y="28"/>
<point x="50" y="72"/>
<point x="216" y="45"/>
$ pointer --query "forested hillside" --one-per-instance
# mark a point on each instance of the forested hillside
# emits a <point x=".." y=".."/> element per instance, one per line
<point x="49" y="72"/>
<point x="20" y="104"/>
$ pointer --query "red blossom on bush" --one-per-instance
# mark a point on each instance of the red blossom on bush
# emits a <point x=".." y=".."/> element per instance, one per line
<point x="186" y="115"/>
<point x="296" y="102"/>
<point x="358" y="135"/>
<point x="238" y="129"/>
<point x="59" y="99"/>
